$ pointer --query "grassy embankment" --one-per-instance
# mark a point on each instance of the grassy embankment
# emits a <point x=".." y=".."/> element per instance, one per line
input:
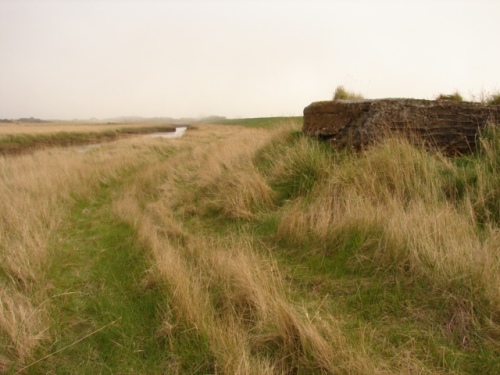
<point x="21" y="138"/>
<point x="250" y="251"/>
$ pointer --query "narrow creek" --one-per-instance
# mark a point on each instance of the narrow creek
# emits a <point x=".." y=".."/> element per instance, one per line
<point x="178" y="133"/>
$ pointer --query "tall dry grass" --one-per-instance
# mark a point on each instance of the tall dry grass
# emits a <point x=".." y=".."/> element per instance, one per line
<point x="221" y="287"/>
<point x="38" y="191"/>
<point x="399" y="198"/>
<point x="416" y="217"/>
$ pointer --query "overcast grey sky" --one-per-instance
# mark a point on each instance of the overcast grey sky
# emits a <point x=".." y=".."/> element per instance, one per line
<point x="70" y="59"/>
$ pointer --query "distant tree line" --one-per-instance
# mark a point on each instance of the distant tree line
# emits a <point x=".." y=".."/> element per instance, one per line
<point x="30" y="119"/>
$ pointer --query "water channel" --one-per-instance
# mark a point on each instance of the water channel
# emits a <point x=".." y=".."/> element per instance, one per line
<point x="178" y="133"/>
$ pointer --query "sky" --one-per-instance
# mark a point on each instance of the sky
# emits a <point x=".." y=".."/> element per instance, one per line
<point x="81" y="59"/>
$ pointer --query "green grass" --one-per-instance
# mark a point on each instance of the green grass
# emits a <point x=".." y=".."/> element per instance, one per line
<point x="454" y="97"/>
<point x="494" y="99"/>
<point x="369" y="298"/>
<point x="97" y="272"/>
<point x="376" y="300"/>
<point x="262" y="122"/>
<point x="342" y="94"/>
<point x="302" y="170"/>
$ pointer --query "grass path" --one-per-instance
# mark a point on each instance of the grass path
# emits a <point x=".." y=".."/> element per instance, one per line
<point x="96" y="273"/>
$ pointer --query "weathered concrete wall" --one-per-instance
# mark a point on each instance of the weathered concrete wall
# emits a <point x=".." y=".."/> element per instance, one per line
<point x="451" y="127"/>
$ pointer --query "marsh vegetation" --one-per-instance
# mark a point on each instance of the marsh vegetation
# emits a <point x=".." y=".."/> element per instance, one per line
<point x="250" y="250"/>
<point x="18" y="138"/>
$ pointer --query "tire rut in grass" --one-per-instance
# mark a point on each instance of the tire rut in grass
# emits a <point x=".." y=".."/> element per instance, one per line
<point x="97" y="272"/>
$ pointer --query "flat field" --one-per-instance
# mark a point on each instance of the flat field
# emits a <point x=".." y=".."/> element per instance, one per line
<point x="248" y="248"/>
